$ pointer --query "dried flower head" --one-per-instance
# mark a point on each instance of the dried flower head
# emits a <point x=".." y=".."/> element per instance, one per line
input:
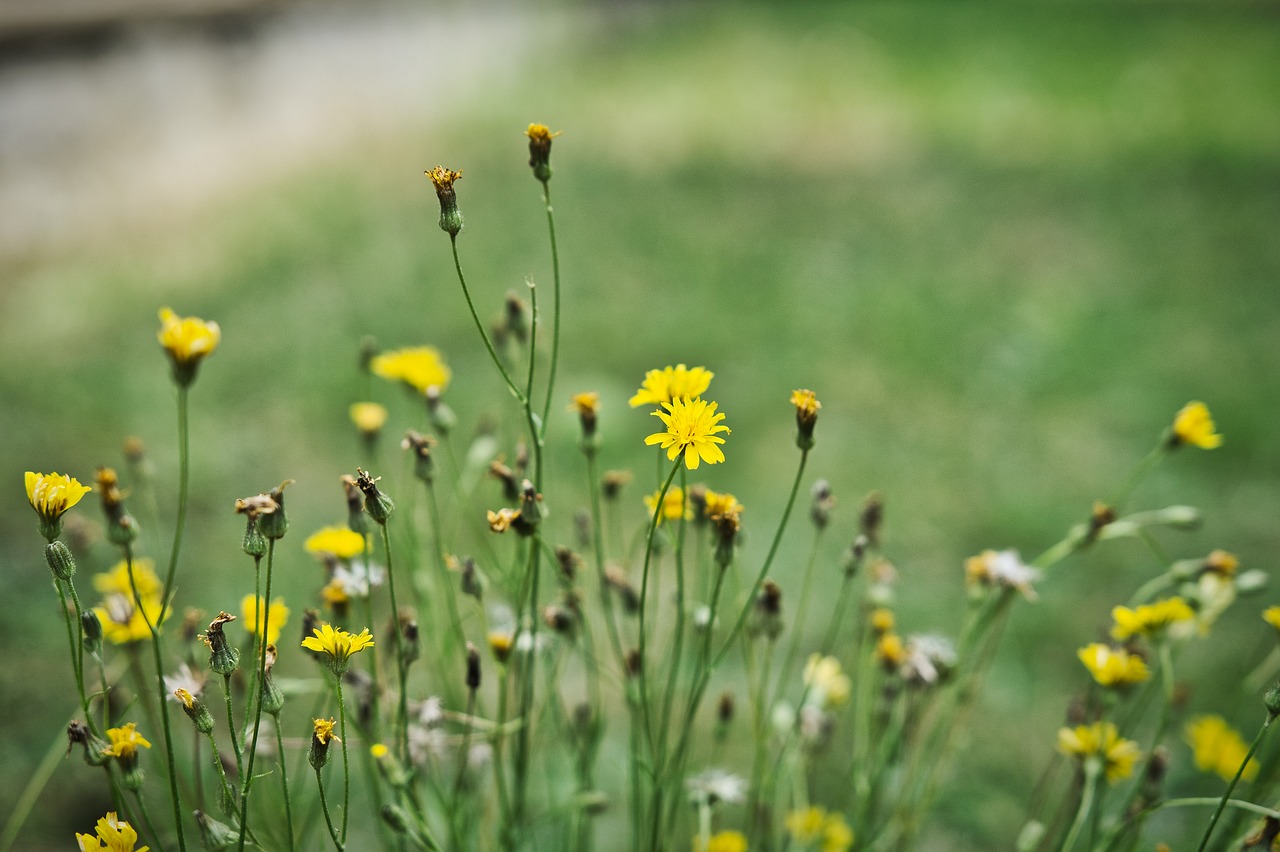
<point x="443" y="179"/>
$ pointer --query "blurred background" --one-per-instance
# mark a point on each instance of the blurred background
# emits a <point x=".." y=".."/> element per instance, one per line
<point x="1004" y="244"/>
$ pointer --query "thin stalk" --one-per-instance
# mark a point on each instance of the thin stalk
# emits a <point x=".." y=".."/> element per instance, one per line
<point x="644" y="600"/>
<point x="800" y="618"/>
<point x="324" y="805"/>
<point x="346" y="771"/>
<point x="522" y="753"/>
<point x="1091" y="772"/>
<point x="262" y="629"/>
<point x="484" y="335"/>
<point x="500" y="777"/>
<point x="146" y="816"/>
<point x="1257" y="740"/>
<point x="448" y="589"/>
<point x="75" y="644"/>
<point x="606" y="599"/>
<point x="555" y="324"/>
<point x="231" y="725"/>
<point x="402" y="710"/>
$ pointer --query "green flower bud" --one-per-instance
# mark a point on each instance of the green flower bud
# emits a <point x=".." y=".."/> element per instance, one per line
<point x="61" y="562"/>
<point x="450" y="217"/>
<point x="223" y="658"/>
<point x="214" y="834"/>
<point x="378" y="505"/>
<point x="276" y="524"/>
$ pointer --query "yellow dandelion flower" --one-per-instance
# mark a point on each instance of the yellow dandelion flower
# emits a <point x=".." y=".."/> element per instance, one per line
<point x="501" y="644"/>
<point x="52" y="494"/>
<point x="341" y="542"/>
<point x="420" y="367"/>
<point x="1101" y="741"/>
<point x="1149" y="619"/>
<point x="890" y="650"/>
<point x="112" y="834"/>
<point x="672" y="383"/>
<point x="1217" y="748"/>
<point x="692" y="425"/>
<point x="368" y="417"/>
<point x="717" y="505"/>
<point x="323" y="731"/>
<point x="805" y="825"/>
<point x="674" y="505"/>
<point x="540" y="133"/>
<point x="125" y="742"/>
<point x="188" y="340"/>
<point x="116" y="580"/>
<point x="806" y="403"/>
<point x="338" y="644"/>
<point x="1194" y="425"/>
<point x="277" y="615"/>
<point x="837" y="836"/>
<point x="501" y="520"/>
<point x="443" y="178"/>
<point x="828" y="685"/>
<point x="1113" y="666"/>
<point x="725" y="841"/>
<point x="1271" y="615"/>
<point x="124" y="616"/>
<point x="585" y="404"/>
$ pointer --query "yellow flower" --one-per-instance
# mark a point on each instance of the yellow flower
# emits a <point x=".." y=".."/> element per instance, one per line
<point x="112" y="835"/>
<point x="125" y="742"/>
<point x="1271" y="615"/>
<point x="188" y="700"/>
<point x="674" y="505"/>
<point x="337" y="644"/>
<point x="379" y="751"/>
<point x="420" y="367"/>
<point x="1112" y="666"/>
<point x="585" y="404"/>
<point x="277" y="615"/>
<point x="52" y="494"/>
<point x="716" y="505"/>
<point x="335" y="593"/>
<point x="1218" y="748"/>
<point x="672" y="383"/>
<point x="443" y="178"/>
<point x="540" y="133"/>
<point x="502" y="519"/>
<point x="836" y="834"/>
<point x="1194" y="425"/>
<point x="828" y="685"/>
<point x="501" y="643"/>
<point x="1222" y="563"/>
<point x="725" y="841"/>
<point x="323" y="731"/>
<point x="116" y="580"/>
<point x="692" y="425"/>
<point x="342" y="542"/>
<point x="188" y="340"/>
<point x="1149" y="619"/>
<point x="369" y="417"/>
<point x="890" y="650"/>
<point x="882" y="620"/>
<point x="805" y="825"/>
<point x="123" y="615"/>
<point x="1103" y="742"/>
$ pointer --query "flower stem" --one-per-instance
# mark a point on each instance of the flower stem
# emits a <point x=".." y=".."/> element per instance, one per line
<point x="555" y="324"/>
<point x="644" y="600"/>
<point x="263" y="630"/>
<point x="346" y="772"/>
<point x="324" y="805"/>
<point x="484" y="335"/>
<point x="402" y="709"/>
<point x="1257" y="740"/>
<point x="1091" y="770"/>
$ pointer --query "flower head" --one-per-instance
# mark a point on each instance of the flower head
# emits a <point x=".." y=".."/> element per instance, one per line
<point x="369" y="417"/>
<point x="1002" y="568"/>
<point x="1217" y="747"/>
<point x="724" y="841"/>
<point x="502" y="519"/>
<point x="672" y="383"/>
<point x="337" y="644"/>
<point x="540" y="137"/>
<point x="52" y="494"/>
<point x="807" y="405"/>
<point x="112" y="834"/>
<point x="1149" y="619"/>
<point x="1101" y="741"/>
<point x="1271" y="615"/>
<point x="123" y="614"/>
<point x="1113" y="666"/>
<point x="276" y="616"/>
<point x="692" y="427"/>
<point x="674" y="505"/>
<point x="716" y="504"/>
<point x="341" y="542"/>
<point x="1194" y="425"/>
<point x="443" y="180"/>
<point x="420" y="367"/>
<point x="815" y="825"/>
<point x="828" y="685"/>
<point x="716" y="786"/>
<point x="188" y="341"/>
<point x="323" y="730"/>
<point x="125" y="742"/>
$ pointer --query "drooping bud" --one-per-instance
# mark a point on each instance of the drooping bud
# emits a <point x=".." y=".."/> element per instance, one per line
<point x="196" y="710"/>
<point x="276" y="524"/>
<point x="92" y="628"/>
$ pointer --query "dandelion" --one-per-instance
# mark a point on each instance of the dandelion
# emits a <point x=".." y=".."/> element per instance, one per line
<point x="112" y="834"/>
<point x="1194" y="425"/>
<point x="420" y="367"/>
<point x="670" y="384"/>
<point x="124" y="616"/>
<point x="368" y="417"/>
<point x="337" y="644"/>
<point x="692" y="427"/>
<point x="1113" y="666"/>
<point x="1271" y="615"/>
<point x="188" y="341"/>
<point x="125" y="742"/>
<point x="276" y="616"/>
<point x="1149" y="620"/>
<point x="1102" y="742"/>
<point x="828" y="685"/>
<point x="339" y="542"/>
<point x="725" y="841"/>
<point x="1217" y="748"/>
<point x="674" y="505"/>
<point x="51" y="495"/>
<point x="807" y="405"/>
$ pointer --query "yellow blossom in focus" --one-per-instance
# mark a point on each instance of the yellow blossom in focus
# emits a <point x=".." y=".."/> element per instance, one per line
<point x="672" y="383"/>
<point x="1271" y="615"/>
<point x="1218" y="748"/>
<point x="112" y="834"/>
<point x="420" y="367"/>
<point x="188" y="700"/>
<point x="1194" y="425"/>
<point x="725" y="841"/>
<point x="1149" y="619"/>
<point x="1113" y="666"/>
<point x="125" y="741"/>
<point x="692" y="427"/>
<point x="828" y="685"/>
<point x="674" y="505"/>
<point x="806" y="403"/>
<point x="540" y="133"/>
<point x="501" y="520"/>
<point x="323" y="731"/>
<point x="52" y="494"/>
<point x="443" y="178"/>
<point x="1101" y="741"/>
<point x="187" y="339"/>
<point x="277" y="615"/>
<point x="338" y="644"/>
<point x="342" y="542"/>
<point x="369" y="417"/>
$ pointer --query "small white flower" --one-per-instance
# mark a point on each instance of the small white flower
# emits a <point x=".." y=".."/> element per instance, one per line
<point x="185" y="678"/>
<point x="1007" y="569"/>
<point x="716" y="785"/>
<point x="356" y="578"/>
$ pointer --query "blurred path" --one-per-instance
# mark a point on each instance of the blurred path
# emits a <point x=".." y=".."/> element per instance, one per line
<point x="166" y="116"/>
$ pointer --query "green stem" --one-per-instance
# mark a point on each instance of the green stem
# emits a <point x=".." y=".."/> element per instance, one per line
<point x="146" y="816"/>
<point x="1214" y="800"/>
<point x="522" y="755"/>
<point x="500" y="776"/>
<point x="324" y="806"/>
<point x="346" y="771"/>
<point x="262" y="629"/>
<point x="1091" y="771"/>
<point x="1257" y="740"/>
<point x="484" y="335"/>
<point x="555" y="325"/>
<point x="76" y="645"/>
<point x="644" y="600"/>
<point x="402" y="709"/>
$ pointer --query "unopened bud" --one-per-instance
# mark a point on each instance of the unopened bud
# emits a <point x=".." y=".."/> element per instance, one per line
<point x="61" y="562"/>
<point x="871" y="518"/>
<point x="540" y="137"/>
<point x="450" y="216"/>
<point x="1271" y="700"/>
<point x="378" y="505"/>
<point x="473" y="668"/>
<point x="214" y="834"/>
<point x="424" y="466"/>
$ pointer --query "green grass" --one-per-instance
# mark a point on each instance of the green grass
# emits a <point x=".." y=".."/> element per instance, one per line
<point x="1003" y="244"/>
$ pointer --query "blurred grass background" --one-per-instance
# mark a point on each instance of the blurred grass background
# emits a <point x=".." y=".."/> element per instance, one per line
<point x="1003" y="244"/>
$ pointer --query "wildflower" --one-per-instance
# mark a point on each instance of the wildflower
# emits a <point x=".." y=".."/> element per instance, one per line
<point x="1113" y="666"/>
<point x="500" y="520"/>
<point x="587" y="406"/>
<point x="112" y="834"/>
<point x="275" y="524"/>
<point x="891" y="651"/>
<point x="378" y="505"/>
<point x="115" y="581"/>
<point x="1217" y="748"/>
<point x="612" y="483"/>
<point x="369" y="417"/>
<point x="807" y="406"/>
<point x="124" y="616"/>
<point x="321" y="735"/>
<point x="766" y="615"/>
<point x="337" y="644"/>
<point x="715" y="786"/>
<point x="195" y="710"/>
<point x="223" y="658"/>
<point x="1222" y="563"/>
<point x="420" y="367"/>
<point x="450" y="217"/>
<point x="186" y="680"/>
<point x="51" y="495"/>
<point x="125" y="742"/>
<point x="724" y="841"/>
<point x="1002" y="568"/>
<point x="1101" y="742"/>
<point x="929" y="659"/>
<point x="356" y="578"/>
<point x="692" y="425"/>
<point x="1271" y="615"/>
<point x="188" y="341"/>
<point x="715" y="503"/>
<point x="540" y="137"/>
<point x="815" y="825"/>
<point x="670" y="384"/>
<point x="828" y="685"/>
<point x="341" y="542"/>
<point x="1149" y="620"/>
<point x="122" y="528"/>
<point x="674" y="505"/>
<point x="824" y="502"/>
<point x="882" y="620"/>
<point x="725" y="513"/>
<point x="1194" y="425"/>
<point x="276" y="616"/>
<point x="424" y="466"/>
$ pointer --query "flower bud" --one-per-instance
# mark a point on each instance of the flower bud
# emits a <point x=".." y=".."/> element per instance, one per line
<point x="807" y="406"/>
<point x="540" y="137"/>
<point x="410" y="643"/>
<point x="1271" y="700"/>
<point x="223" y="658"/>
<point x="356" y="520"/>
<point x="214" y="834"/>
<point x="823" y="502"/>
<point x="450" y="217"/>
<point x="61" y="562"/>
<point x="439" y="413"/>
<point x="322" y="734"/>
<point x="271" y="697"/>
<point x="395" y="818"/>
<point x="92" y="629"/>
<point x="78" y="733"/>
<point x="871" y="518"/>
<point x="612" y="483"/>
<point x="531" y="511"/>
<point x="378" y="505"/>
<point x="424" y="466"/>
<point x="276" y="524"/>
<point x="196" y="710"/>
<point x="766" y="620"/>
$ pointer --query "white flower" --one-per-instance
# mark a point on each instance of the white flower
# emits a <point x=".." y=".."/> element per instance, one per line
<point x="192" y="682"/>
<point x="1007" y="569"/>
<point x="716" y="785"/>
<point x="929" y="658"/>
<point x="356" y="578"/>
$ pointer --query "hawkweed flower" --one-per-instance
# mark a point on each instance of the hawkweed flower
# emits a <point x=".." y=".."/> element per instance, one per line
<point x="275" y="617"/>
<point x="51" y="495"/>
<point x="186" y="679"/>
<point x="195" y="709"/>
<point x="587" y="407"/>
<point x="1149" y="620"/>
<point x="1271" y="615"/>
<point x="502" y="519"/>
<point x="891" y="652"/>
<point x="672" y="383"/>
<point x="815" y="828"/>
<point x="724" y="841"/>
<point x="726" y="518"/>
<point x="125" y="742"/>
<point x="1193" y="425"/>
<point x="1222" y="563"/>
<point x="612" y="483"/>
<point x="450" y="217"/>
<point x="337" y="644"/>
<point x="124" y="615"/>
<point x="1113" y="667"/>
<point x="807" y="405"/>
<point x="930" y="659"/>
<point x="827" y="683"/>
<point x="501" y="644"/>
<point x="1217" y="748"/>
<point x="1100" y="744"/>
<point x="674" y="505"/>
<point x="337" y="542"/>
<point x="369" y="418"/>
<point x="882" y="620"/>
<point x="1002" y="568"/>
<point x="692" y="427"/>
<point x="378" y="505"/>
<point x="321" y="735"/>
<point x="357" y="577"/>
<point x="715" y="786"/>
<point x="419" y="367"/>
<point x="540" y="137"/>
<point x="122" y="528"/>
<point x="187" y="341"/>
<point x="112" y="834"/>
